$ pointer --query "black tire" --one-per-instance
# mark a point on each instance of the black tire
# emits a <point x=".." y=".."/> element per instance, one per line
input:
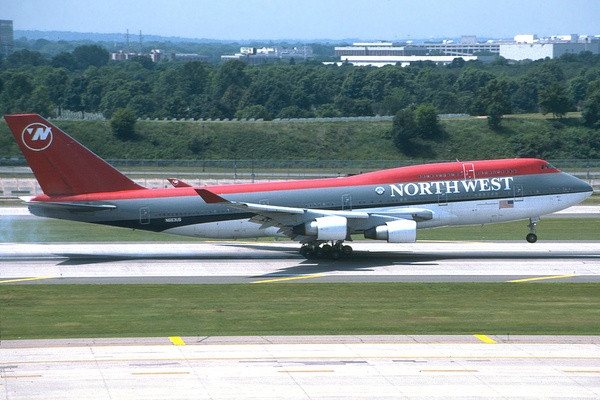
<point x="531" y="237"/>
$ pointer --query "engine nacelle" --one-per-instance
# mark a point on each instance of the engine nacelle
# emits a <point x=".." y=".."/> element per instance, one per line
<point x="325" y="228"/>
<point x="399" y="231"/>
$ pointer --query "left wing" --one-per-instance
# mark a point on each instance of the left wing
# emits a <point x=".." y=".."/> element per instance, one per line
<point x="313" y="223"/>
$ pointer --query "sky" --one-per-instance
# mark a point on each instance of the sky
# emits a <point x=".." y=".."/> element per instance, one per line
<point x="391" y="20"/>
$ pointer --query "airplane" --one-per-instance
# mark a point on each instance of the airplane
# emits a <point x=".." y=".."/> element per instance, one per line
<point x="322" y="214"/>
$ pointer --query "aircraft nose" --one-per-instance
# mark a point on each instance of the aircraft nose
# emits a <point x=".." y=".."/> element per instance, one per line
<point x="582" y="186"/>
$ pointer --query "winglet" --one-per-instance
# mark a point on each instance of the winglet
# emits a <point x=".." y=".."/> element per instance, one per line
<point x="209" y="197"/>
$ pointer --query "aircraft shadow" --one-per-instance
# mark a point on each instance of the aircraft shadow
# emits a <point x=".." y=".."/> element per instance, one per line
<point x="358" y="261"/>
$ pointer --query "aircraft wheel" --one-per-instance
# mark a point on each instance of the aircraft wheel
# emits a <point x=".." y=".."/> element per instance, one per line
<point x="531" y="237"/>
<point x="307" y="251"/>
<point x="346" y="250"/>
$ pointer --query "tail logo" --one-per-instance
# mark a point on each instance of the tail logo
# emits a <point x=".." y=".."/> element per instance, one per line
<point x="37" y="136"/>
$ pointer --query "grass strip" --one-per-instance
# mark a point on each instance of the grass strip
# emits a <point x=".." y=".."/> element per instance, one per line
<point x="69" y="311"/>
<point x="48" y="230"/>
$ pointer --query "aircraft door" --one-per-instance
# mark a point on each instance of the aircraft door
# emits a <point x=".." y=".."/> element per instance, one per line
<point x="469" y="170"/>
<point x="347" y="202"/>
<point x="144" y="215"/>
<point x="443" y="198"/>
<point x="518" y="192"/>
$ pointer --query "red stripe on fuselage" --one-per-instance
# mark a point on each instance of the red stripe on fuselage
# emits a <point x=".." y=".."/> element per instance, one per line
<point x="417" y="173"/>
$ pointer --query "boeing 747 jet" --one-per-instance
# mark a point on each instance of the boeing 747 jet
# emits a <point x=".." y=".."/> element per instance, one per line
<point x="322" y="214"/>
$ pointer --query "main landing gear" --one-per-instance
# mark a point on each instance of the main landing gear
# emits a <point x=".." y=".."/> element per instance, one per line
<point x="335" y="250"/>
<point x="531" y="236"/>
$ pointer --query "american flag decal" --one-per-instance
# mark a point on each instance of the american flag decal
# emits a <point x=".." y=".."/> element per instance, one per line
<point x="507" y="203"/>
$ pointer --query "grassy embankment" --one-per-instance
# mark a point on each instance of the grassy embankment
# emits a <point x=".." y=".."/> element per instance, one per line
<point x="53" y="311"/>
<point x="467" y="139"/>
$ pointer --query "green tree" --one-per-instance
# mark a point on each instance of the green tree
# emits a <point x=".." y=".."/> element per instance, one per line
<point x="113" y="101"/>
<point x="17" y="88"/>
<point x="554" y="99"/>
<point x="404" y="129"/>
<point x="25" y="58"/>
<point x="495" y="99"/>
<point x="427" y="121"/>
<point x="40" y="102"/>
<point x="56" y="80"/>
<point x="90" y="55"/>
<point x="256" y="111"/>
<point x="591" y="110"/>
<point x="123" y="122"/>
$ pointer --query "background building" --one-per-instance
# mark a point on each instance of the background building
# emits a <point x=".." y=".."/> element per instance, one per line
<point x="523" y="47"/>
<point x="529" y="47"/>
<point x="264" y="55"/>
<point x="6" y="38"/>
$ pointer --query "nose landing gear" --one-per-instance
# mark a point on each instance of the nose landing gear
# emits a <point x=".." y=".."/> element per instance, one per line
<point x="531" y="236"/>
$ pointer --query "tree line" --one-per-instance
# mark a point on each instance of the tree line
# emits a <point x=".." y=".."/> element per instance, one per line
<point x="85" y="80"/>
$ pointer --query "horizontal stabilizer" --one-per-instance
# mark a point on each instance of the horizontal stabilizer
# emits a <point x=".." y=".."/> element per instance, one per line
<point x="74" y="207"/>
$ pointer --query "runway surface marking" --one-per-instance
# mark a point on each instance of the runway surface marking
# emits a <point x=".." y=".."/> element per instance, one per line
<point x="291" y="278"/>
<point x="160" y="373"/>
<point x="177" y="341"/>
<point x="541" y="278"/>
<point x="579" y="371"/>
<point x="306" y="370"/>
<point x="449" y="370"/>
<point x="27" y="279"/>
<point x="486" y="339"/>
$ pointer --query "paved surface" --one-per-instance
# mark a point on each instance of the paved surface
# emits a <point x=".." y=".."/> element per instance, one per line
<point x="279" y="262"/>
<point x="330" y="367"/>
<point x="314" y="367"/>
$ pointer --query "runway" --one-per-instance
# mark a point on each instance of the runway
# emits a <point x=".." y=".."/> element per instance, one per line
<point x="321" y="367"/>
<point x="280" y="262"/>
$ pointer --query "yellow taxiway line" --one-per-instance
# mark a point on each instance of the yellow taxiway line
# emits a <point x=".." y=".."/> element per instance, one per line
<point x="541" y="278"/>
<point x="26" y="279"/>
<point x="486" y="339"/>
<point x="291" y="278"/>
<point x="176" y="340"/>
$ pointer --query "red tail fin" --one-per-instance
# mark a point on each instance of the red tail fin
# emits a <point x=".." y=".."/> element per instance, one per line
<point x="61" y="165"/>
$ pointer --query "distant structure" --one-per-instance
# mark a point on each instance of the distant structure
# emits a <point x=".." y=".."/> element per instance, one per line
<point x="155" y="55"/>
<point x="531" y="47"/>
<point x="523" y="47"/>
<point x="253" y="55"/>
<point x="6" y="38"/>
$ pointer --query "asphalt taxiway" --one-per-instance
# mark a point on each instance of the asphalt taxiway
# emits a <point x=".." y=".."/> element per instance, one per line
<point x="316" y="367"/>
<point x="279" y="262"/>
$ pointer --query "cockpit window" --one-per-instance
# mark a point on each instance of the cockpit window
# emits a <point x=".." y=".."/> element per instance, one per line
<point x="548" y="166"/>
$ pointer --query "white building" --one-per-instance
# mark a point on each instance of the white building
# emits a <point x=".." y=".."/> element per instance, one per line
<point x="523" y="47"/>
<point x="529" y="47"/>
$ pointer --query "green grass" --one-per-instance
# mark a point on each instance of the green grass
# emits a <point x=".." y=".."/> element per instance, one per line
<point x="56" y="311"/>
<point x="47" y="230"/>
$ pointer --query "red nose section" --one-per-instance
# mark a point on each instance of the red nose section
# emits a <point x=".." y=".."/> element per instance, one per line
<point x="63" y="166"/>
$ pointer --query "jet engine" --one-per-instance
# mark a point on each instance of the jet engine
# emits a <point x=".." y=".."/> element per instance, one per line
<point x="399" y="231"/>
<point x="324" y="228"/>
